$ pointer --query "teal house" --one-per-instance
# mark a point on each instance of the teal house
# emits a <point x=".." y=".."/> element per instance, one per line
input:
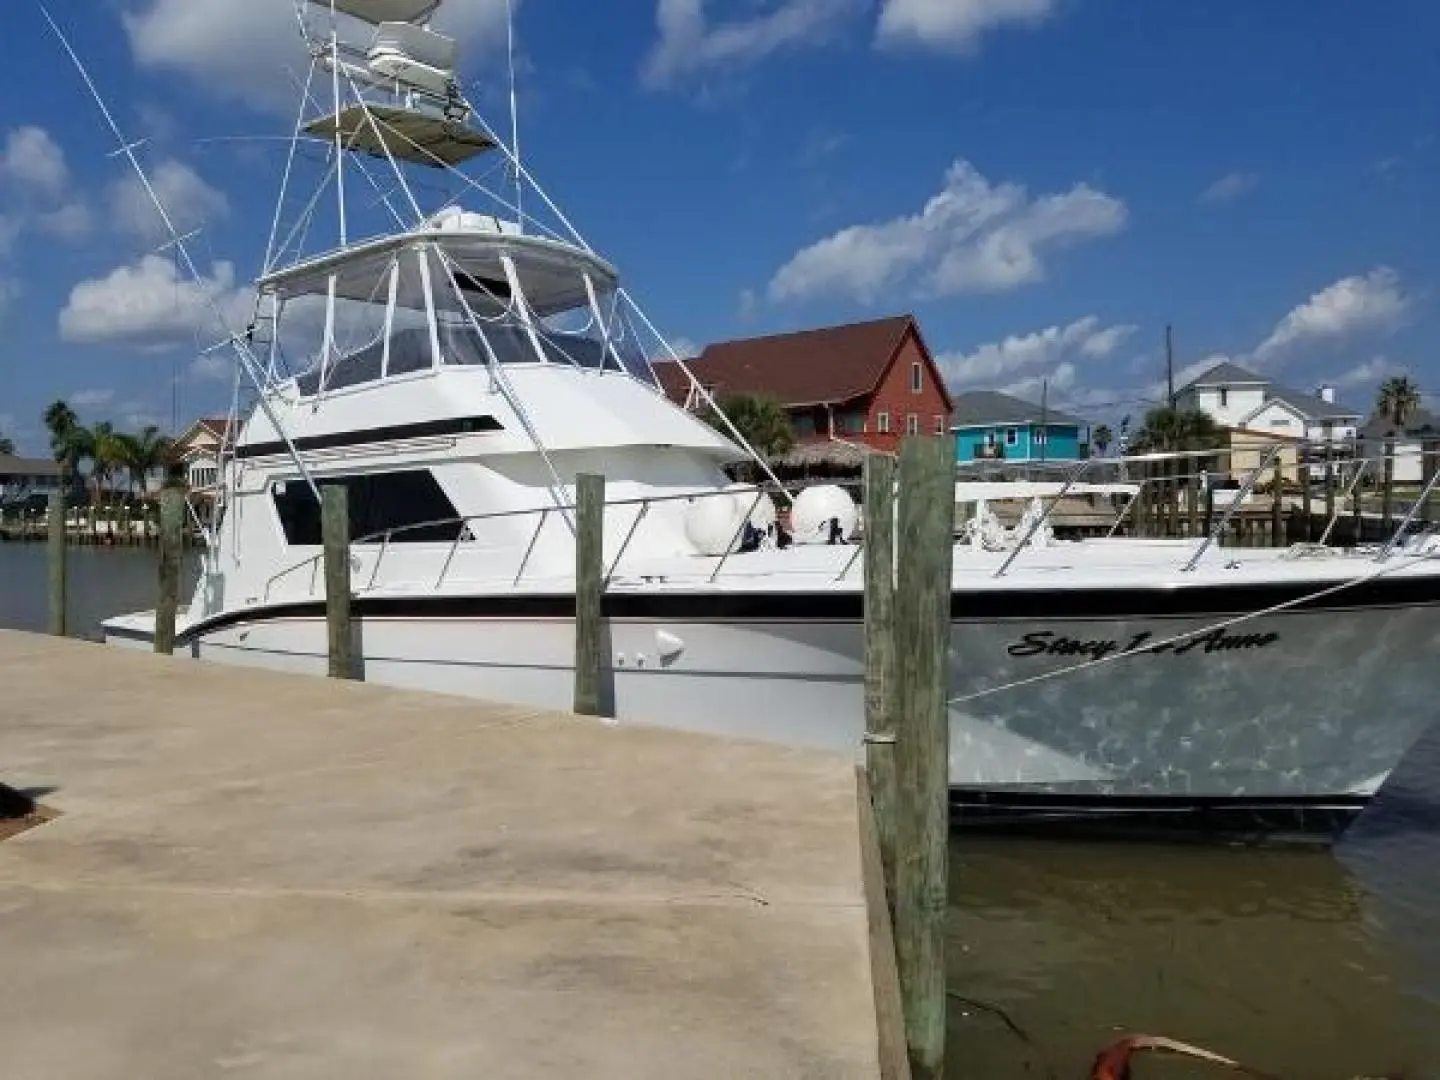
<point x="991" y="426"/>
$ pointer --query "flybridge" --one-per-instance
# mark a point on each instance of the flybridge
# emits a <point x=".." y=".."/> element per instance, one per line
<point x="382" y="11"/>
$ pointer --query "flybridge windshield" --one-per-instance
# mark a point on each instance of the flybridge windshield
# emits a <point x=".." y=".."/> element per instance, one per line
<point x="430" y="310"/>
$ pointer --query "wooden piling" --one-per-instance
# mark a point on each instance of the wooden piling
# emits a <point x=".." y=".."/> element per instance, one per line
<point x="335" y="536"/>
<point x="879" y="539"/>
<point x="589" y="589"/>
<point x="1329" y="485"/>
<point x="1192" y="499"/>
<point x="1387" y="495"/>
<point x="1308" y="524"/>
<point x="172" y="524"/>
<point x="922" y="638"/>
<point x="57" y="557"/>
<point x="1277" y="505"/>
<point x="1428" y="466"/>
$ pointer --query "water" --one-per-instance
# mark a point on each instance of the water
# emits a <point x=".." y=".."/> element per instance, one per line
<point x="1311" y="965"/>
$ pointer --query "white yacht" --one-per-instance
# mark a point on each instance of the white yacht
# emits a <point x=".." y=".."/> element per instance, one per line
<point x="458" y="366"/>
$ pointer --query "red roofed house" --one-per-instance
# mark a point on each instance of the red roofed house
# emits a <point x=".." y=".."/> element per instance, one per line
<point x="869" y="383"/>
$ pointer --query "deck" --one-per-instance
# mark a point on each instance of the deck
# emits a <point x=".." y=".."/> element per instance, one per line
<point x="261" y="875"/>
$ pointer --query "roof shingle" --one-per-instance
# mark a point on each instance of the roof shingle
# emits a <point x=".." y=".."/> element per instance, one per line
<point x="979" y="408"/>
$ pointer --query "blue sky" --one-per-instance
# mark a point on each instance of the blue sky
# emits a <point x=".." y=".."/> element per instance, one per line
<point x="1045" y="183"/>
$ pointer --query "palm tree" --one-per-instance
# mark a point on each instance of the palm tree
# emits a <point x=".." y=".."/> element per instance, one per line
<point x="1102" y="437"/>
<point x="7" y="445"/>
<point x="763" y="422"/>
<point x="1398" y="400"/>
<point x="62" y="423"/>
<point x="1168" y="429"/>
<point x="142" y="453"/>
<point x="107" y="451"/>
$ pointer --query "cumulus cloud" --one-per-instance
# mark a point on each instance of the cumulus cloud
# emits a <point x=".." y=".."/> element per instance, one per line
<point x="92" y="399"/>
<point x="1049" y="348"/>
<point x="149" y="305"/>
<point x="955" y="25"/>
<point x="72" y="221"/>
<point x="1373" y="301"/>
<point x="1367" y="373"/>
<point x="1054" y="385"/>
<point x="242" y="51"/>
<point x="32" y="158"/>
<point x="188" y="200"/>
<point x="973" y="237"/>
<point x="690" y="44"/>
<point x="1230" y="187"/>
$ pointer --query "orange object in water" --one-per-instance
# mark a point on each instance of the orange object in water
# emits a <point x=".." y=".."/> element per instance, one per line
<point x="1113" y="1063"/>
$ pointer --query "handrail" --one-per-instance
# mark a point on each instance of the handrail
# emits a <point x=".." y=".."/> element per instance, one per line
<point x="1219" y="527"/>
<point x="1081" y="468"/>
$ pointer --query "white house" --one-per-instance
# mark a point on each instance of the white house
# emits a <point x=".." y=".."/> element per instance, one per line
<point x="199" y="451"/>
<point x="1242" y="401"/>
<point x="21" y="478"/>
<point x="1422" y="432"/>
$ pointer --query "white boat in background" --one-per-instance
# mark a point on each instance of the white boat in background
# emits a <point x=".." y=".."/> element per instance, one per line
<point x="456" y="366"/>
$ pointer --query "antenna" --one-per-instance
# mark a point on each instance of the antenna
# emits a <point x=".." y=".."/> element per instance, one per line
<point x="514" y="114"/>
<point x="1169" y="368"/>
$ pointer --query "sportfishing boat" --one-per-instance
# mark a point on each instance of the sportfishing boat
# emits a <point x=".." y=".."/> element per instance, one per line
<point x="458" y="365"/>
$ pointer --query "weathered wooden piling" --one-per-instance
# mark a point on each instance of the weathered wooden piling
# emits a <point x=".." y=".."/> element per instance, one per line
<point x="589" y="590"/>
<point x="335" y="536"/>
<point x="1307" y="523"/>
<point x="1428" y="466"/>
<point x="1277" y="506"/>
<point x="922" y="743"/>
<point x="172" y="525"/>
<point x="1387" y="494"/>
<point x="1192" y="501"/>
<point x="56" y="558"/>
<point x="880" y="690"/>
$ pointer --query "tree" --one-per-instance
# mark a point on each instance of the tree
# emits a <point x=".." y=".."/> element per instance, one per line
<point x="1171" y="429"/>
<point x="763" y="422"/>
<point x="143" y="453"/>
<point x="1102" y="437"/>
<point x="1398" y="401"/>
<point x="7" y="445"/>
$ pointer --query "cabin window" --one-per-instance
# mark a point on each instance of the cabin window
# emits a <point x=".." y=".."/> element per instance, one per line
<point x="917" y="378"/>
<point x="1012" y="437"/>
<point x="882" y="423"/>
<point x="379" y="503"/>
<point x="912" y="424"/>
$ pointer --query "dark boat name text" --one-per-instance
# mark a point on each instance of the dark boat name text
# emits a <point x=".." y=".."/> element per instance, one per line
<point x="1050" y="643"/>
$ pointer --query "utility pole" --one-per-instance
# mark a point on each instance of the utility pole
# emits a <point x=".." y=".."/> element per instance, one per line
<point x="1169" y="367"/>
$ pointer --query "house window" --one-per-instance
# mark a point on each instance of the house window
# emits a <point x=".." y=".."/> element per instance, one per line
<point x="379" y="503"/>
<point x="1012" y="437"/>
<point x="882" y="423"/>
<point x="912" y="424"/>
<point x="917" y="378"/>
<point x="939" y="425"/>
<point x="1040" y="436"/>
<point x="1224" y="398"/>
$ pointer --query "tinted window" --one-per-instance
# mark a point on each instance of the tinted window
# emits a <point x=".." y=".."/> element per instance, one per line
<point x="379" y="503"/>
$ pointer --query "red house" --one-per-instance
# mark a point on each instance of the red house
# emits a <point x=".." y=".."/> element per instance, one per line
<point x="869" y="383"/>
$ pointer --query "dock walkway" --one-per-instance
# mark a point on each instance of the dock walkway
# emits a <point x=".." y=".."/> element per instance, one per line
<point x="260" y="875"/>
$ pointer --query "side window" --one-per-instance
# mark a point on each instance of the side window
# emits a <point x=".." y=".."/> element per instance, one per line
<point x="1224" y="398"/>
<point x="1012" y="437"/>
<point x="379" y="503"/>
<point x="882" y="423"/>
<point x="939" y="425"/>
<point x="912" y="424"/>
<point x="917" y="377"/>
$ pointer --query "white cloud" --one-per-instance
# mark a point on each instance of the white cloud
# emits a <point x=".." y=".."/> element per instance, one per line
<point x="689" y="44"/>
<point x="1373" y="301"/>
<point x="213" y="367"/>
<point x="187" y="198"/>
<point x="9" y="291"/>
<point x="1230" y="187"/>
<point x="1052" y="346"/>
<point x="955" y="25"/>
<point x="148" y="305"/>
<point x="973" y="237"/>
<point x="72" y="221"/>
<point x="92" y="399"/>
<point x="242" y="50"/>
<point x="31" y="158"/>
<point x="1368" y="373"/>
<point x="1051" y="385"/>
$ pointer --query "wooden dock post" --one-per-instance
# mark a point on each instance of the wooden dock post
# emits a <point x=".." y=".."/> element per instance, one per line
<point x="1277" y="523"/>
<point x="879" y="540"/>
<point x="1304" y="470"/>
<point x="1387" y="495"/>
<point x="1329" y="485"/>
<point x="922" y="743"/>
<point x="1192" y="500"/>
<point x="335" y="535"/>
<point x="589" y="589"/>
<point x="1428" y="465"/>
<point x="172" y="524"/>
<point x="57" y="560"/>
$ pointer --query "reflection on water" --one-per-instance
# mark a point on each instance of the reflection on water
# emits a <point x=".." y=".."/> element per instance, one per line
<point x="1307" y="964"/>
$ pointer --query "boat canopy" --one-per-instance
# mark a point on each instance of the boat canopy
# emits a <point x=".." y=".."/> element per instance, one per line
<point x="412" y="135"/>
<point x="552" y="274"/>
<point x="379" y="11"/>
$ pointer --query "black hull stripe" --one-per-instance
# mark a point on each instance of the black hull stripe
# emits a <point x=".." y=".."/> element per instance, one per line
<point x="1011" y="605"/>
<point x="429" y="429"/>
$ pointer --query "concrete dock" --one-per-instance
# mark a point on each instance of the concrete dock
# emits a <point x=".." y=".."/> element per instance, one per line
<point x="259" y="875"/>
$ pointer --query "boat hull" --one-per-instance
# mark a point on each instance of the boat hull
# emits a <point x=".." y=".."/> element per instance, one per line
<point x="1300" y="704"/>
